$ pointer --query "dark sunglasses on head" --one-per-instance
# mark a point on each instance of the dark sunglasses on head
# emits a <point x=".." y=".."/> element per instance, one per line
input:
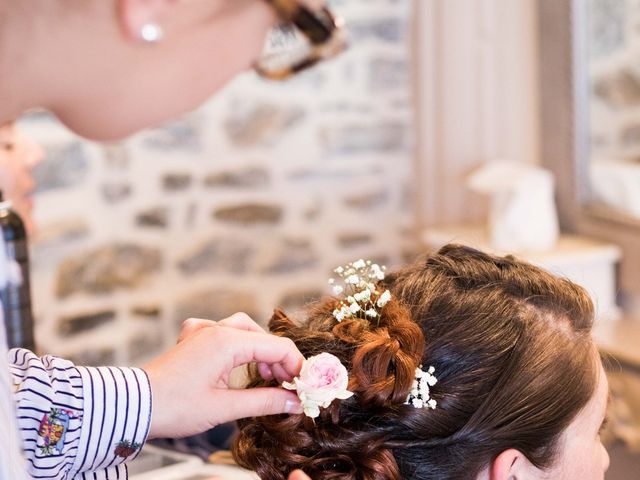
<point x="304" y="37"/>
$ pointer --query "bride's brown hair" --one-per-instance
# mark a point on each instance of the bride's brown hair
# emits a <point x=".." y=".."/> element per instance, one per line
<point x="512" y="352"/>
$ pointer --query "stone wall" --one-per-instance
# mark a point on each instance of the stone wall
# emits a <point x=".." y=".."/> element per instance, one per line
<point x="245" y="204"/>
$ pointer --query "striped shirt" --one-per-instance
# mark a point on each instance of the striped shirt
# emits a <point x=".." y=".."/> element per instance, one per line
<point x="72" y="422"/>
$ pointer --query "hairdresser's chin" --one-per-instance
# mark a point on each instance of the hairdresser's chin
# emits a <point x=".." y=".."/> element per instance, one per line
<point x="139" y="107"/>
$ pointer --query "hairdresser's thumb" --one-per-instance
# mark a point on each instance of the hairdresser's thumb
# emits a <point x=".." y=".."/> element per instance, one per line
<point x="298" y="475"/>
<point x="257" y="402"/>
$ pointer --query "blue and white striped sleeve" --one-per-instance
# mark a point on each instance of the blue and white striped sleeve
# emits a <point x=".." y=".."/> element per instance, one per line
<point x="75" y="420"/>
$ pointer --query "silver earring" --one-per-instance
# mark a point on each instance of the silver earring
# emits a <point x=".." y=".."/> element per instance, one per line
<point x="151" y="33"/>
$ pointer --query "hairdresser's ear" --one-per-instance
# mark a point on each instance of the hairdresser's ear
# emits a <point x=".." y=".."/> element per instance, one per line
<point x="512" y="465"/>
<point x="133" y="15"/>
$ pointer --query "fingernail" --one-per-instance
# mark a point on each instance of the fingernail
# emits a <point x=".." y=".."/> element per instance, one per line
<point x="293" y="406"/>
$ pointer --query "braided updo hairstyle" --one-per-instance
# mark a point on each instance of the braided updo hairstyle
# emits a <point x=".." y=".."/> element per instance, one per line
<point x="512" y="352"/>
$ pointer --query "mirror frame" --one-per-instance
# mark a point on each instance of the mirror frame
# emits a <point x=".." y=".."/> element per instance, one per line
<point x="564" y="143"/>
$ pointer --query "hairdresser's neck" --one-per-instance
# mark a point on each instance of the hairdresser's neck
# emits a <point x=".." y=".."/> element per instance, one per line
<point x="23" y="83"/>
<point x="29" y="58"/>
<point x="16" y="71"/>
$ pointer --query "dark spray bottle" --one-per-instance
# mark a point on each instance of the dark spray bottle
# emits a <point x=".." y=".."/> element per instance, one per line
<point x="15" y="292"/>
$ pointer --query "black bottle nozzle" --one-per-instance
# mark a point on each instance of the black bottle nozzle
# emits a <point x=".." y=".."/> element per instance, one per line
<point x="15" y="295"/>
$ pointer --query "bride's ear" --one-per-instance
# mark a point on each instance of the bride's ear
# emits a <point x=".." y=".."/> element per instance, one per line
<point x="511" y="465"/>
<point x="138" y="18"/>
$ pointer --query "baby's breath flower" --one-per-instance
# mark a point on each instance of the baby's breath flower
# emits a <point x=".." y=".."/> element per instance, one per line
<point x="353" y="279"/>
<point x="363" y="299"/>
<point x="363" y="295"/>
<point x="384" y="298"/>
<point x="359" y="264"/>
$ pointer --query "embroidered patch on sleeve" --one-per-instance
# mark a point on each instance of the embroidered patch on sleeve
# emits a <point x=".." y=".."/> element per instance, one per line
<point x="125" y="448"/>
<point x="53" y="428"/>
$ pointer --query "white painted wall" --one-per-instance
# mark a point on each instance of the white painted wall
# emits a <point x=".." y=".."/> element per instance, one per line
<point x="477" y="94"/>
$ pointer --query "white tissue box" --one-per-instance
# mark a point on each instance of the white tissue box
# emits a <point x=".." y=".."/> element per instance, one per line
<point x="590" y="263"/>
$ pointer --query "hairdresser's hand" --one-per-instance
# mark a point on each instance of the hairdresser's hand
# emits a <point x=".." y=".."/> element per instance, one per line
<point x="298" y="475"/>
<point x="190" y="382"/>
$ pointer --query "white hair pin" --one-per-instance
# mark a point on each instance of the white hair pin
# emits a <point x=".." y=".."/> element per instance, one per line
<point x="420" y="395"/>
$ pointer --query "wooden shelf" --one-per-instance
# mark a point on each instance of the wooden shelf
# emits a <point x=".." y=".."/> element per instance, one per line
<point x="621" y="339"/>
<point x="569" y="249"/>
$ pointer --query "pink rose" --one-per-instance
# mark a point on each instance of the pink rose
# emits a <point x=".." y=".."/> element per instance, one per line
<point x="322" y="379"/>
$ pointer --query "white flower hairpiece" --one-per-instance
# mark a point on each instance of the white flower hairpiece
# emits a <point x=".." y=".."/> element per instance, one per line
<point x="419" y="396"/>
<point x="363" y="299"/>
<point x="322" y="379"/>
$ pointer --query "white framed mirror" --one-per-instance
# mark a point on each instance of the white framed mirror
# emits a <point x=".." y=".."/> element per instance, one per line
<point x="590" y="120"/>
